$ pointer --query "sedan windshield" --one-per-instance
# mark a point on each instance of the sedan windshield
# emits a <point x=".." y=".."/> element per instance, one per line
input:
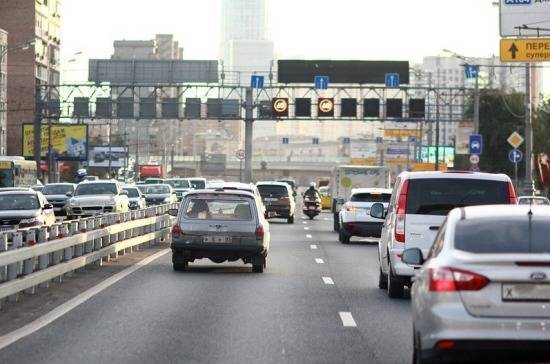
<point x="132" y="192"/>
<point x="157" y="190"/>
<point x="96" y="189"/>
<point x="57" y="189"/>
<point x="19" y="202"/>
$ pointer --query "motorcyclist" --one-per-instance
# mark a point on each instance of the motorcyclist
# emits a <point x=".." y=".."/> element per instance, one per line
<point x="312" y="192"/>
<point x="80" y="174"/>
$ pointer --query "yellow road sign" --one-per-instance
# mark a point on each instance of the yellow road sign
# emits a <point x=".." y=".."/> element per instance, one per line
<point x="525" y="50"/>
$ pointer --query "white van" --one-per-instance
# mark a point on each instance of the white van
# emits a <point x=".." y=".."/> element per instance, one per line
<point x="418" y="206"/>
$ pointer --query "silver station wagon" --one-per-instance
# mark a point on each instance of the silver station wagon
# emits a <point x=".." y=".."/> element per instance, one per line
<point x="221" y="225"/>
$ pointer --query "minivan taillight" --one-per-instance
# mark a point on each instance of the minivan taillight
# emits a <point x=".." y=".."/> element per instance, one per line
<point x="259" y="232"/>
<point x="401" y="212"/>
<point x="512" y="194"/>
<point x="176" y="231"/>
<point x="452" y="280"/>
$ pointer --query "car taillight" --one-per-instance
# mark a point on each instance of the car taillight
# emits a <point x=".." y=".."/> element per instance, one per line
<point x="260" y="232"/>
<point x="176" y="231"/>
<point x="401" y="212"/>
<point x="512" y="194"/>
<point x="452" y="280"/>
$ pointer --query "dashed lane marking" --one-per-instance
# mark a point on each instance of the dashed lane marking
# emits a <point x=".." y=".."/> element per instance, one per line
<point x="313" y="246"/>
<point x="319" y="261"/>
<point x="309" y="236"/>
<point x="306" y="228"/>
<point x="347" y="319"/>
<point x="328" y="280"/>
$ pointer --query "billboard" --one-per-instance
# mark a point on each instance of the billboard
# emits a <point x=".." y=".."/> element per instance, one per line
<point x="354" y="72"/>
<point x="364" y="149"/>
<point x="465" y="129"/>
<point x="524" y="18"/>
<point x="100" y="155"/>
<point x="446" y="155"/>
<point x="69" y="141"/>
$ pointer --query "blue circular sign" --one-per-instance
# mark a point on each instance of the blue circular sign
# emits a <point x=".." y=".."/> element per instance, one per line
<point x="515" y="156"/>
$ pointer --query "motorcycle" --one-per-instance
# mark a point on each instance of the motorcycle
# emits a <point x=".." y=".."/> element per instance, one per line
<point x="311" y="207"/>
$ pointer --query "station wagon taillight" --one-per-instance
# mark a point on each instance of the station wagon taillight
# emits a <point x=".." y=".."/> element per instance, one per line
<point x="453" y="280"/>
<point x="401" y="211"/>
<point x="260" y="232"/>
<point x="176" y="231"/>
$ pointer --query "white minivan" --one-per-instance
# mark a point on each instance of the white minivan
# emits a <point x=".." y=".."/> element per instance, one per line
<point x="419" y="203"/>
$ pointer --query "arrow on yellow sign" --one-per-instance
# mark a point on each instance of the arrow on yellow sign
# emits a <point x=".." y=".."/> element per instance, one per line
<point x="525" y="50"/>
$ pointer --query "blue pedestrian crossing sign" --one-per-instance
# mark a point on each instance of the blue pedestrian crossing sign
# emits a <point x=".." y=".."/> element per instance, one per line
<point x="476" y="144"/>
<point x="257" y="82"/>
<point x="515" y="156"/>
<point x="392" y="80"/>
<point x="472" y="71"/>
<point x="321" y="82"/>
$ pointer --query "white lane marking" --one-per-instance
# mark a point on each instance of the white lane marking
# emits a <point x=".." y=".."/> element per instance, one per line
<point x="319" y="261"/>
<point x="328" y="280"/>
<point x="304" y="222"/>
<point x="313" y="246"/>
<point x="309" y="236"/>
<point x="325" y="218"/>
<point x="347" y="319"/>
<point x="68" y="306"/>
<point x="306" y="228"/>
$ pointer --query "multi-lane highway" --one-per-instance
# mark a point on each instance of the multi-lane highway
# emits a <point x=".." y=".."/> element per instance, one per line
<point x="317" y="302"/>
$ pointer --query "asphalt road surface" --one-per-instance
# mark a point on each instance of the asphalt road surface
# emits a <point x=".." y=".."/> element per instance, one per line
<point x="317" y="302"/>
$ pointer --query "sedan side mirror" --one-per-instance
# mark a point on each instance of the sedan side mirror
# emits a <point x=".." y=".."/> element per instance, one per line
<point x="378" y="211"/>
<point x="69" y="194"/>
<point x="412" y="256"/>
<point x="173" y="212"/>
<point x="48" y="206"/>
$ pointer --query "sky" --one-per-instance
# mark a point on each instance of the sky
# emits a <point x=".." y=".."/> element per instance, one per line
<point x="309" y="29"/>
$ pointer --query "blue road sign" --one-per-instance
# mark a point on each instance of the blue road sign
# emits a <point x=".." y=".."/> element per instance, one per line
<point x="315" y="140"/>
<point x="476" y="144"/>
<point x="285" y="140"/>
<point x="321" y="82"/>
<point x="472" y="71"/>
<point x="347" y="140"/>
<point x="515" y="156"/>
<point x="392" y="80"/>
<point x="257" y="82"/>
<point x="379" y="140"/>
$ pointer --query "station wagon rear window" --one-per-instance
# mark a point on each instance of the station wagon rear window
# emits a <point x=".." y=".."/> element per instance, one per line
<point x="370" y="197"/>
<point x="219" y="209"/>
<point x="503" y="235"/>
<point x="438" y="196"/>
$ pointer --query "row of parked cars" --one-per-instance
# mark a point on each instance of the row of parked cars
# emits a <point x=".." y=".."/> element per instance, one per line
<point x="477" y="264"/>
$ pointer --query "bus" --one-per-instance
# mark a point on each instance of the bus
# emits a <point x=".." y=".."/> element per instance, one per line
<point x="17" y="172"/>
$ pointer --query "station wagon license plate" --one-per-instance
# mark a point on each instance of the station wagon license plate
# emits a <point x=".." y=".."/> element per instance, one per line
<point x="217" y="239"/>
<point x="271" y="199"/>
<point x="526" y="292"/>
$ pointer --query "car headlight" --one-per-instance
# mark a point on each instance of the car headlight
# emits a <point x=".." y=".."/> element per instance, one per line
<point x="73" y="203"/>
<point x="29" y="221"/>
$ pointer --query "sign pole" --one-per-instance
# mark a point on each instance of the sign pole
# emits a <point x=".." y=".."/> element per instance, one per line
<point x="516" y="174"/>
<point x="528" y="130"/>
<point x="249" y="124"/>
<point x="37" y="129"/>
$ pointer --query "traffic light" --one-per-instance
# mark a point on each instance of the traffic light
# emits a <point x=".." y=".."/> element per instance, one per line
<point x="302" y="107"/>
<point x="371" y="108"/>
<point x="394" y="108"/>
<point x="349" y="108"/>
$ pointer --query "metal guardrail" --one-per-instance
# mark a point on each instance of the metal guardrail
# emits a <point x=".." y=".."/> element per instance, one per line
<point x="32" y="257"/>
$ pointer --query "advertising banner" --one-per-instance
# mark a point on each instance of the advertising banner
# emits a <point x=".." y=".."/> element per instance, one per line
<point x="99" y="156"/>
<point x="69" y="141"/>
<point x="465" y="129"/>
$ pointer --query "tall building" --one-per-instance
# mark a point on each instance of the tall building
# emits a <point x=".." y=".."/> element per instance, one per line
<point x="245" y="40"/>
<point x="26" y="21"/>
<point x="3" y="88"/>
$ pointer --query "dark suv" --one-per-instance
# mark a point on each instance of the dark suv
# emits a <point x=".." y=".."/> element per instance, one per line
<point x="278" y="200"/>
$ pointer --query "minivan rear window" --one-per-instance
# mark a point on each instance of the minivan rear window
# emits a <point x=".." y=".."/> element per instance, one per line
<point x="438" y="196"/>
<point x="272" y="190"/>
<point x="371" y="197"/>
<point x="503" y="235"/>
